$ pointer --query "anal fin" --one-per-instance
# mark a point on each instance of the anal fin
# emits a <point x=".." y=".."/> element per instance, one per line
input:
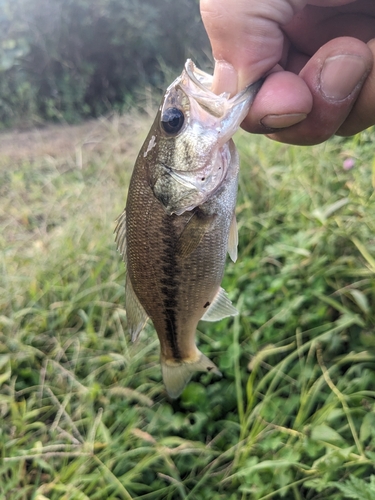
<point x="221" y="307"/>
<point x="135" y="314"/>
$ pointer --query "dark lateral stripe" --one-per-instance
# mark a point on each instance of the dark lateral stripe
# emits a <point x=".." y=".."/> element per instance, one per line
<point x="170" y="284"/>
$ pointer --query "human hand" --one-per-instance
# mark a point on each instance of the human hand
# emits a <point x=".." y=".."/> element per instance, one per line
<point x="318" y="56"/>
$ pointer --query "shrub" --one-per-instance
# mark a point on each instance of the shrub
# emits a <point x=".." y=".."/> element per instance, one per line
<point x="68" y="59"/>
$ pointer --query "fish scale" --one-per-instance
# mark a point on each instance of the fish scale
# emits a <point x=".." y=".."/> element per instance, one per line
<point x="179" y="221"/>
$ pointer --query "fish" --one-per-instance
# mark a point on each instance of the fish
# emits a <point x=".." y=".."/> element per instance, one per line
<point x="179" y="221"/>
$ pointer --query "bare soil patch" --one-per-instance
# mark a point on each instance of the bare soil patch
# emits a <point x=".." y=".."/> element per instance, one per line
<point x="52" y="140"/>
<point x="117" y="133"/>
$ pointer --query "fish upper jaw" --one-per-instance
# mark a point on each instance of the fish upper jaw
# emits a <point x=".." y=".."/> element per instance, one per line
<point x="236" y="110"/>
<point x="220" y="112"/>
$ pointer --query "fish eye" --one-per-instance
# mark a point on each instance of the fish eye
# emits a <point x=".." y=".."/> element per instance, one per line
<point x="172" y="121"/>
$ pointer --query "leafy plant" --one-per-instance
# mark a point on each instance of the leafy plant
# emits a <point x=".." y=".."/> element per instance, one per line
<point x="358" y="488"/>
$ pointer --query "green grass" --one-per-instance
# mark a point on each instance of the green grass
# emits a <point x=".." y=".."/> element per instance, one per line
<point x="83" y="412"/>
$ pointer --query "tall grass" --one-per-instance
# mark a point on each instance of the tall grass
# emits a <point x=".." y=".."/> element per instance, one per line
<point x="83" y="412"/>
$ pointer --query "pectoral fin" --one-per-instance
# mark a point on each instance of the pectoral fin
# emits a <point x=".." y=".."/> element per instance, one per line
<point x="120" y="232"/>
<point x="221" y="307"/>
<point x="136" y="315"/>
<point x="193" y="233"/>
<point x="233" y="239"/>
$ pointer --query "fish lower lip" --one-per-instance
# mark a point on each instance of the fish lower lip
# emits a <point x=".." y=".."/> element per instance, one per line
<point x="181" y="179"/>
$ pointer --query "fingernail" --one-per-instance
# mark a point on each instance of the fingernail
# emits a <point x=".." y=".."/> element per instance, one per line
<point x="225" y="78"/>
<point x="282" y="121"/>
<point x="340" y="75"/>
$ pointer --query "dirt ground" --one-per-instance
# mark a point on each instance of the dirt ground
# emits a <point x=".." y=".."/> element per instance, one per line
<point x="52" y="140"/>
<point x="58" y="141"/>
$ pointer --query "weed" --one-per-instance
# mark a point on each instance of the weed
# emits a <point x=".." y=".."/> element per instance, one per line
<point x="84" y="413"/>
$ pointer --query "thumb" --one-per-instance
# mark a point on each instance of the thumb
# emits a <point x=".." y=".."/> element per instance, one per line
<point x="246" y="38"/>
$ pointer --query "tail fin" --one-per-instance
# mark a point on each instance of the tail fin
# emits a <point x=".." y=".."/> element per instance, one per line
<point x="177" y="376"/>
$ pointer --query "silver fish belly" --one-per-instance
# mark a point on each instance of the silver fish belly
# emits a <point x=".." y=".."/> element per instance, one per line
<point x="179" y="221"/>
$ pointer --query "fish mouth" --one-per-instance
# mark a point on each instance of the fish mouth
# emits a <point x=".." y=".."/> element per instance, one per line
<point x="201" y="79"/>
<point x="202" y="183"/>
<point x="197" y="84"/>
<point x="204" y="81"/>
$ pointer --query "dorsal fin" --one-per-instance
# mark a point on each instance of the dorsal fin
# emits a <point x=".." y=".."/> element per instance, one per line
<point x="120" y="234"/>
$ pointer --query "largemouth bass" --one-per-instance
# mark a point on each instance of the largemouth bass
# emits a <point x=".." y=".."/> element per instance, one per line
<point x="179" y="221"/>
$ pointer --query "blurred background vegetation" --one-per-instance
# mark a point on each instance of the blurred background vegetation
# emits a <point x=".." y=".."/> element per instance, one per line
<point x="65" y="60"/>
